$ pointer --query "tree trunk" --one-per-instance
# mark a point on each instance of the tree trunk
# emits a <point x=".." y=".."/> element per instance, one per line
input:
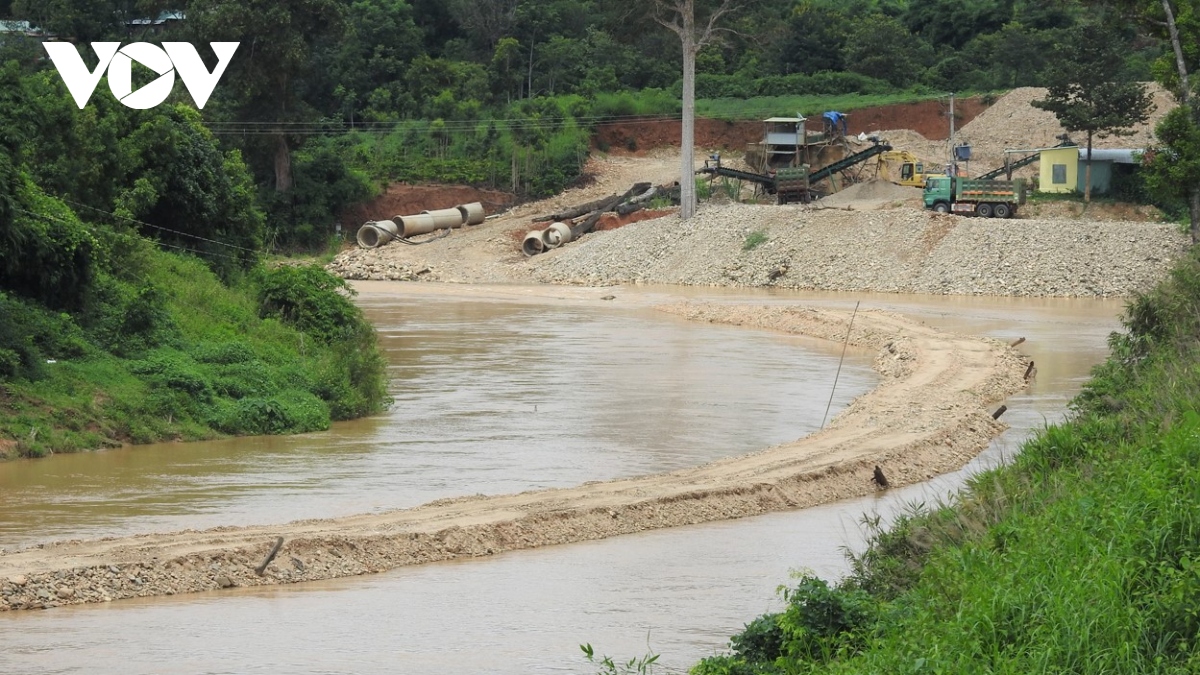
<point x="687" y="150"/>
<point x="529" y="87"/>
<point x="1185" y="98"/>
<point x="1194" y="211"/>
<point x="516" y="175"/>
<point x="1180" y="64"/>
<point x="283" y="165"/>
<point x="1087" y="173"/>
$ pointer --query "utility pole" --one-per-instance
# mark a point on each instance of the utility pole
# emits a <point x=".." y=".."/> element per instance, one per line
<point x="953" y="161"/>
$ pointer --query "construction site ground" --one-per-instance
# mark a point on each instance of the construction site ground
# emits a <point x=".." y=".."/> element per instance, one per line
<point x="930" y="413"/>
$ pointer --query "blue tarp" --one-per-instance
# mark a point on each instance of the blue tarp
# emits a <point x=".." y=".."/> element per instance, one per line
<point x="833" y="118"/>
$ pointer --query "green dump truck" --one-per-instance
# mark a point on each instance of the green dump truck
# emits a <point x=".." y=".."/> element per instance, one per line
<point x="974" y="197"/>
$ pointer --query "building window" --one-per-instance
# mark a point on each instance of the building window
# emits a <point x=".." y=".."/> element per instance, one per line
<point x="1060" y="174"/>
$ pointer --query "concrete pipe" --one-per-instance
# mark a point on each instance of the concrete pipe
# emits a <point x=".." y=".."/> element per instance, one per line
<point x="376" y="233"/>
<point x="556" y="235"/>
<point x="421" y="223"/>
<point x="446" y="217"/>
<point x="473" y="213"/>
<point x="533" y="244"/>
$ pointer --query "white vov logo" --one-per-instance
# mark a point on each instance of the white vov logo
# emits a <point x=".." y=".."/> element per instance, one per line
<point x="172" y="57"/>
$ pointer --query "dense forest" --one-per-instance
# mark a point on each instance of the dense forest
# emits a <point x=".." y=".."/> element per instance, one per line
<point x="327" y="98"/>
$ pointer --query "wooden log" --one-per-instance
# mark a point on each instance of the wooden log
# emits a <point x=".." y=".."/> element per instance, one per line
<point x="629" y="207"/>
<point x="1029" y="371"/>
<point x="270" y="556"/>
<point x="575" y="211"/>
<point x="1019" y="341"/>
<point x="999" y="411"/>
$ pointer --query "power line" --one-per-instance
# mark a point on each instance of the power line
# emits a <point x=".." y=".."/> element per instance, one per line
<point x="158" y="227"/>
<point x="54" y="219"/>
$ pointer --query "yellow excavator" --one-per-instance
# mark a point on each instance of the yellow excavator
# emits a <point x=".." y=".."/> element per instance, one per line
<point x="903" y="168"/>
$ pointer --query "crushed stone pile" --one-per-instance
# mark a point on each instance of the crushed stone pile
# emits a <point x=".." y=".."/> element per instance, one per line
<point x="872" y="194"/>
<point x="899" y="251"/>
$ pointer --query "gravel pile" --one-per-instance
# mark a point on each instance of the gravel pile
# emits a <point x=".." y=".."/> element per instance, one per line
<point x="901" y="250"/>
<point x="1011" y="122"/>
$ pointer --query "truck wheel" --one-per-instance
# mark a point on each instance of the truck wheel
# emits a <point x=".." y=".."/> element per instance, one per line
<point x="941" y="207"/>
<point x="984" y="210"/>
<point x="1002" y="211"/>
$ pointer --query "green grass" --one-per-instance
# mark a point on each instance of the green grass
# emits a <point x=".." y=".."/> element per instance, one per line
<point x="211" y="360"/>
<point x="763" y="107"/>
<point x="754" y="240"/>
<point x="1081" y="556"/>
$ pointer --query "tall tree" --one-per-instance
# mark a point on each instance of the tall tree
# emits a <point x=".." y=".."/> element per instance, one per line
<point x="680" y="17"/>
<point x="1084" y="94"/>
<point x="276" y="39"/>
<point x="1175" y="164"/>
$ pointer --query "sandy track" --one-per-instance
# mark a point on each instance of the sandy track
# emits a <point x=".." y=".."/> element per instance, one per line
<point x="928" y="416"/>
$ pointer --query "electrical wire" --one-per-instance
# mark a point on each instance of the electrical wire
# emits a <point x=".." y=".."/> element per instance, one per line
<point x="158" y="227"/>
<point x="54" y="219"/>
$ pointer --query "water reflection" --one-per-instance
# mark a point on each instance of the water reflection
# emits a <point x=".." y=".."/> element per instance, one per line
<point x="490" y="398"/>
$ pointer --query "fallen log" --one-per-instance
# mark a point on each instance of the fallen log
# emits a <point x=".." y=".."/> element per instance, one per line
<point x="575" y="211"/>
<point x="629" y="207"/>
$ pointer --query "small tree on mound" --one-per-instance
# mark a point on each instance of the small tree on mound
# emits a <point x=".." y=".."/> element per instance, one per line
<point x="1086" y="93"/>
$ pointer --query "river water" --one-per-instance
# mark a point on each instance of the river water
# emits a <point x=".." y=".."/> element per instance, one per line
<point x="500" y="390"/>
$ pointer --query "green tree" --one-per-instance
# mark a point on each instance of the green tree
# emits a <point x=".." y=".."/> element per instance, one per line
<point x="884" y="49"/>
<point x="816" y="35"/>
<point x="1084" y="94"/>
<point x="953" y="23"/>
<point x="365" y="68"/>
<point x="1175" y="165"/>
<point x="264" y="80"/>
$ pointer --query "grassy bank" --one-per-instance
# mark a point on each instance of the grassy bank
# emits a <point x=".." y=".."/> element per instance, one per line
<point x="1082" y="555"/>
<point x="161" y="349"/>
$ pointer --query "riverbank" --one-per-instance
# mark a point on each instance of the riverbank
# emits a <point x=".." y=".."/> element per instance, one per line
<point x="181" y="355"/>
<point x="931" y="414"/>
<point x="1078" y="556"/>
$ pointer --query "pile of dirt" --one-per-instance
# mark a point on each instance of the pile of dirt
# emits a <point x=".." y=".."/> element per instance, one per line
<point x="935" y="153"/>
<point x="1012" y="123"/>
<point x="872" y="195"/>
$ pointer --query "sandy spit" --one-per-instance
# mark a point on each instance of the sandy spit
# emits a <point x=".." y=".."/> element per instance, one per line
<point x="929" y="415"/>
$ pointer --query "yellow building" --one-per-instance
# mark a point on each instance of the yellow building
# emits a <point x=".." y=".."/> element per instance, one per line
<point x="1059" y="170"/>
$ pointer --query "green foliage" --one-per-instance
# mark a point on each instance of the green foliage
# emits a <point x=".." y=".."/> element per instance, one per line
<point x="1083" y="91"/>
<point x="46" y="253"/>
<point x="1173" y="165"/>
<point x="311" y="300"/>
<point x="871" y="50"/>
<point x="818" y="84"/>
<point x="170" y="352"/>
<point x="303" y="218"/>
<point x="643" y="665"/>
<point x="1080" y="556"/>
<point x="754" y="240"/>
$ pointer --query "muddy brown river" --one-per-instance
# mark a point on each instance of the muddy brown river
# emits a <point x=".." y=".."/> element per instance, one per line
<point x="504" y="389"/>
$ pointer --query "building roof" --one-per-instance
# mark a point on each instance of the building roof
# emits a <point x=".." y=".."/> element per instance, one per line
<point x="163" y="17"/>
<point x="793" y="120"/>
<point x="19" y="27"/>
<point x="1118" y="156"/>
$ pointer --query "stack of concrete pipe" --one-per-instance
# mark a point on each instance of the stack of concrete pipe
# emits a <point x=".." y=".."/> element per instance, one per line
<point x="376" y="233"/>
<point x="554" y="236"/>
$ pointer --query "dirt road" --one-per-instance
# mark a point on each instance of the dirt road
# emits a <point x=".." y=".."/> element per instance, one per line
<point x="929" y="415"/>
